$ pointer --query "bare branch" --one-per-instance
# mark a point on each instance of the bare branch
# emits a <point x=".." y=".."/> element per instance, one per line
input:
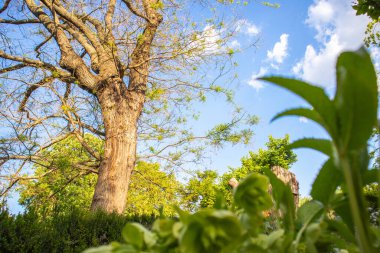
<point x="19" y="22"/>
<point x="5" y="6"/>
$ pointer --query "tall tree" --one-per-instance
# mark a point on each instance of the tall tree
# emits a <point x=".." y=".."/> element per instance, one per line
<point x="74" y="67"/>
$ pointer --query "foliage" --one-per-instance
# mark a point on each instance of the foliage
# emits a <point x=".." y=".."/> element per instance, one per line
<point x="65" y="188"/>
<point x="169" y="59"/>
<point x="368" y="7"/>
<point x="202" y="191"/>
<point x="277" y="153"/>
<point x="73" y="231"/>
<point x="333" y="221"/>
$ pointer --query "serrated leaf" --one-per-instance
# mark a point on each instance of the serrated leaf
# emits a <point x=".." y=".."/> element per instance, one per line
<point x="301" y="112"/>
<point x="356" y="98"/>
<point x="326" y="183"/>
<point x="314" y="95"/>
<point x="322" y="145"/>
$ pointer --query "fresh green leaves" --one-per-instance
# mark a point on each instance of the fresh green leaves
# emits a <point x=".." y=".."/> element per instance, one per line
<point x="356" y="99"/>
<point x="252" y="194"/>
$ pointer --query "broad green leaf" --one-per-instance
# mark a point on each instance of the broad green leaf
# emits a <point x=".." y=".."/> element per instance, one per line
<point x="314" y="95"/>
<point x="252" y="194"/>
<point x="308" y="213"/>
<point x="213" y="231"/>
<point x="356" y="98"/>
<point x="301" y="112"/>
<point x="322" y="145"/>
<point x="326" y="183"/>
<point x="371" y="176"/>
<point x="101" y="249"/>
<point x="342" y="229"/>
<point x="342" y="208"/>
<point x="136" y="235"/>
<point x="284" y="200"/>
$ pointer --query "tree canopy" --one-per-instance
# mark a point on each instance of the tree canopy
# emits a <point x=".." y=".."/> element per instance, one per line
<point x="125" y="71"/>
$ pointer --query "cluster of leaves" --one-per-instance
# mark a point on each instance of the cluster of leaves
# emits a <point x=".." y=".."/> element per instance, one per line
<point x="368" y="7"/>
<point x="66" y="187"/>
<point x="202" y="191"/>
<point x="73" y="231"/>
<point x="336" y="219"/>
<point x="151" y="189"/>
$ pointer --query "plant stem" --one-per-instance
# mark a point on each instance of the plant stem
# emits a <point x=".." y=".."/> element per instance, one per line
<point x="354" y="189"/>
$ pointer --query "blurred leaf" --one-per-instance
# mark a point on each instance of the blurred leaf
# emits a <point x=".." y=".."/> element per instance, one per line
<point x="252" y="194"/>
<point x="301" y="112"/>
<point x="356" y="98"/>
<point x="322" y="145"/>
<point x="314" y="95"/>
<point x="326" y="182"/>
<point x="284" y="200"/>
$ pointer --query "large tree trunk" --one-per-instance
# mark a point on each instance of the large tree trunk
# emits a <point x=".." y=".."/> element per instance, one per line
<point x="121" y="110"/>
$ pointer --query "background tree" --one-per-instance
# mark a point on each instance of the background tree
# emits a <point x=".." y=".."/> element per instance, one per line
<point x="202" y="191"/>
<point x="122" y="70"/>
<point x="66" y="188"/>
<point x="370" y="8"/>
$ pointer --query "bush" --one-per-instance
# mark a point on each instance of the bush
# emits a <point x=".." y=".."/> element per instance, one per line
<point x="69" y="232"/>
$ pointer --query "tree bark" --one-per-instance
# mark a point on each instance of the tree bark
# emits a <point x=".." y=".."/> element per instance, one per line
<point x="121" y="110"/>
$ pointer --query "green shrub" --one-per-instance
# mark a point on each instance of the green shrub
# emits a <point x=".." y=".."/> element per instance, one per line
<point x="70" y="232"/>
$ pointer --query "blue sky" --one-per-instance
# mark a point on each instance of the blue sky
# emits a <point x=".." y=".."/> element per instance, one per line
<point x="300" y="39"/>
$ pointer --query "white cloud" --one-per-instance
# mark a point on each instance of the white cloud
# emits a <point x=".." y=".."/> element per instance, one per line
<point x="246" y="27"/>
<point x="337" y="29"/>
<point x="279" y="51"/>
<point x="235" y="45"/>
<point x="303" y="120"/>
<point x="255" y="83"/>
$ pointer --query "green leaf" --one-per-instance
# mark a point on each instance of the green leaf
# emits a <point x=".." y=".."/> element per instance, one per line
<point x="212" y="231"/>
<point x="314" y="95"/>
<point x="307" y="214"/>
<point x="137" y="235"/>
<point x="322" y="145"/>
<point x="356" y="98"/>
<point x="301" y="112"/>
<point x="101" y="249"/>
<point x="326" y="183"/>
<point x="371" y="176"/>
<point x="284" y="200"/>
<point x="342" y="229"/>
<point x="309" y="211"/>
<point x="252" y="194"/>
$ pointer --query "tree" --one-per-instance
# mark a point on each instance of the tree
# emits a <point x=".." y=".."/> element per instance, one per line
<point x="118" y="69"/>
<point x="370" y="8"/>
<point x="201" y="191"/>
<point x="67" y="188"/>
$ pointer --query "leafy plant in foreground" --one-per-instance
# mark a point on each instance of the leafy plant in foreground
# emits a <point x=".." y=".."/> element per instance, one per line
<point x="336" y="219"/>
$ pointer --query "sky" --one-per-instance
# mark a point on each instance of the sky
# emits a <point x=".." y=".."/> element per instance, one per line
<point x="300" y="39"/>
